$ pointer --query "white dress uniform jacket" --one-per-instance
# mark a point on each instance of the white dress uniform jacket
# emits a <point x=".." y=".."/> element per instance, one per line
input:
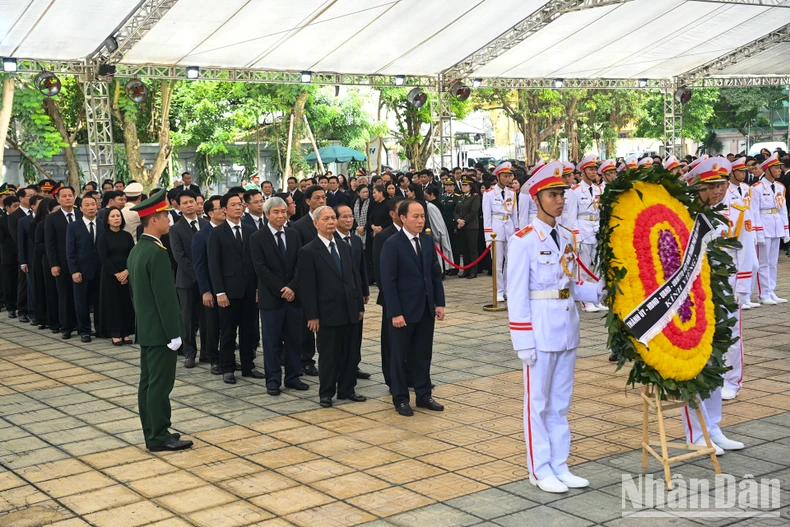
<point x="585" y="209"/>
<point x="739" y="212"/>
<point x="500" y="214"/>
<point x="768" y="205"/>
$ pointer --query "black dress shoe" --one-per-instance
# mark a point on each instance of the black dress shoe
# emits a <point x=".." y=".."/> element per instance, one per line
<point x="404" y="409"/>
<point x="85" y="338"/>
<point x="215" y="369"/>
<point x="228" y="378"/>
<point x="471" y="275"/>
<point x="430" y="404"/>
<point x="354" y="397"/>
<point x="43" y="327"/>
<point x="189" y="363"/>
<point x="12" y="314"/>
<point x="203" y="358"/>
<point x="128" y="341"/>
<point x="325" y="402"/>
<point x="310" y="370"/>
<point x="66" y="335"/>
<point x="254" y="373"/>
<point x="275" y="390"/>
<point x="23" y="319"/>
<point x="362" y="374"/>
<point x="613" y="357"/>
<point x="301" y="386"/>
<point x="171" y="446"/>
<point x="118" y="343"/>
<point x="55" y="330"/>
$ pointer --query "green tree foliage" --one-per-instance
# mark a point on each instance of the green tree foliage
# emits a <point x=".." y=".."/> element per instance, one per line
<point x="696" y="114"/>
<point x="607" y="113"/>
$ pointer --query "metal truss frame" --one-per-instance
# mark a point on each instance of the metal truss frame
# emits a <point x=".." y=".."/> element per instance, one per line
<point x="673" y="123"/>
<point x="133" y="29"/>
<point x="442" y="117"/>
<point x="757" y="3"/>
<point x="101" y="148"/>
<point x="545" y="15"/>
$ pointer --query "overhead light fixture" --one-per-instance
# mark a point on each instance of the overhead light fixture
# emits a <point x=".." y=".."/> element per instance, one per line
<point x="558" y="83"/>
<point x="460" y="91"/>
<point x="477" y="83"/>
<point x="110" y="43"/>
<point x="10" y="65"/>
<point x="193" y="72"/>
<point x="307" y="76"/>
<point x="683" y="95"/>
<point x="47" y="83"/>
<point x="399" y="80"/>
<point x="417" y="97"/>
<point x="106" y="70"/>
<point x="136" y="90"/>
<point x="642" y="83"/>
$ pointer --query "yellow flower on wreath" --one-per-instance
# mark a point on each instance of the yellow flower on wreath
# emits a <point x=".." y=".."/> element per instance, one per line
<point x="682" y="349"/>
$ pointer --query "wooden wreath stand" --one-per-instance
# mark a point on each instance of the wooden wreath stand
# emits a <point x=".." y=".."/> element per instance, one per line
<point x="651" y="400"/>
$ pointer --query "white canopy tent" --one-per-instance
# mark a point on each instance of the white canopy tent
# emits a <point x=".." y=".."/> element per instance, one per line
<point x="506" y="43"/>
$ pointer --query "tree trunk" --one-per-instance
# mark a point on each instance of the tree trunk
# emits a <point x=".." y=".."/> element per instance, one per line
<point x="151" y="177"/>
<point x="68" y="151"/>
<point x="571" y="129"/>
<point x="299" y="131"/>
<point x="610" y="141"/>
<point x="5" y="115"/>
<point x="130" y="140"/>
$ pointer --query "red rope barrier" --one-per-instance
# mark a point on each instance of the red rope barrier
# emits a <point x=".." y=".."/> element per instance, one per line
<point x="463" y="267"/>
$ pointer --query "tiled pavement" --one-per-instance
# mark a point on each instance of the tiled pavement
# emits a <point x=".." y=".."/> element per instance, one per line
<point x="71" y="456"/>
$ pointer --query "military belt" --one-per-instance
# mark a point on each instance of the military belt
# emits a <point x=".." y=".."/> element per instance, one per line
<point x="550" y="294"/>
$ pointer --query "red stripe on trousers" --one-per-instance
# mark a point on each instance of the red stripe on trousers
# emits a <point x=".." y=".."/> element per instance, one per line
<point x="529" y="427"/>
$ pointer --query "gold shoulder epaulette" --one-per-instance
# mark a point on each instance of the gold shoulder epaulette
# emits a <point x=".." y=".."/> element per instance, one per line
<point x="523" y="232"/>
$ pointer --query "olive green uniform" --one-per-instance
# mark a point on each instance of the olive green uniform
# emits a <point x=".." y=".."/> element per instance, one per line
<point x="158" y="322"/>
<point x="449" y="202"/>
<point x="468" y="209"/>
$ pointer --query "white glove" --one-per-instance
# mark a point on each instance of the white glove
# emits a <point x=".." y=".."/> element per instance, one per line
<point x="175" y="343"/>
<point x="786" y="239"/>
<point x="742" y="298"/>
<point x="602" y="292"/>
<point x="760" y="242"/>
<point x="528" y="356"/>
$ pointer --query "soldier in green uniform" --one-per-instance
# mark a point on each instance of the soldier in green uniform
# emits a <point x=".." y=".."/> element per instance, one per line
<point x="159" y="325"/>
<point x="449" y="200"/>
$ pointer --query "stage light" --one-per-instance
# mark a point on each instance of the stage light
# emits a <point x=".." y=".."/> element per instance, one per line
<point x="110" y="43"/>
<point x="417" y="97"/>
<point x="476" y="83"/>
<point x="106" y="70"/>
<point x="193" y="72"/>
<point x="642" y="83"/>
<point x="460" y="91"/>
<point x="136" y="90"/>
<point x="558" y="83"/>
<point x="307" y="76"/>
<point x="10" y="65"/>
<point x="399" y="80"/>
<point x="683" y="95"/>
<point x="47" y="83"/>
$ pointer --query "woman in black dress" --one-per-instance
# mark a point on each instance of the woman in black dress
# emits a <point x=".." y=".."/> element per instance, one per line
<point x="115" y="301"/>
<point x="378" y="219"/>
<point x="43" y="281"/>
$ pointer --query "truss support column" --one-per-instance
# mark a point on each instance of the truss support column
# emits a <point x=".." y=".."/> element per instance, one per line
<point x="673" y="123"/>
<point x="443" y="118"/>
<point x="101" y="149"/>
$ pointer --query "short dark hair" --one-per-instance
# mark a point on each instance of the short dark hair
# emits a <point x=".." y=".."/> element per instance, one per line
<point x="91" y="183"/>
<point x="290" y="178"/>
<point x="121" y="182"/>
<point x="269" y="182"/>
<point x="35" y="198"/>
<point x="236" y="190"/>
<point x="66" y="187"/>
<point x="185" y="173"/>
<point x="330" y="178"/>
<point x="106" y="218"/>
<point x="226" y="198"/>
<point x="337" y="208"/>
<point x="760" y="158"/>
<point x="185" y="194"/>
<point x="323" y="177"/>
<point x="249" y="194"/>
<point x="172" y="194"/>
<point x="92" y="194"/>
<point x="210" y="203"/>
<point x="403" y="207"/>
<point x="312" y="189"/>
<point x="10" y="200"/>
<point x="283" y="196"/>
<point x="394" y="202"/>
<point x="432" y="189"/>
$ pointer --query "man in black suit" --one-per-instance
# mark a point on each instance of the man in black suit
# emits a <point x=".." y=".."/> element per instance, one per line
<point x="209" y="345"/>
<point x="378" y="245"/>
<point x="186" y="179"/>
<point x="253" y="199"/>
<point x="26" y="250"/>
<point x="186" y="282"/>
<point x="9" y="256"/>
<point x="330" y="289"/>
<point x="336" y="195"/>
<point x="84" y="264"/>
<point x="24" y="195"/>
<point x="233" y="279"/>
<point x="314" y="197"/>
<point x="298" y="197"/>
<point x="411" y="280"/>
<point x="55" y="244"/>
<point x="345" y="233"/>
<point x="274" y="256"/>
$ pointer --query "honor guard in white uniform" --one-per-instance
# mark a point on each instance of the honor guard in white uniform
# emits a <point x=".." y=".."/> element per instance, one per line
<point x="608" y="172"/>
<point x="527" y="210"/>
<point x="645" y="162"/>
<point x="584" y="206"/>
<point x="544" y="328"/>
<point x="712" y="175"/>
<point x="672" y="164"/>
<point x="567" y="219"/>
<point x="737" y="202"/>
<point x="500" y="216"/>
<point x="768" y="200"/>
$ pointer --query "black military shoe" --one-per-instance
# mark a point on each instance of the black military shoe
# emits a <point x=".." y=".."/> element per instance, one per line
<point x="404" y="409"/>
<point x="430" y="404"/>
<point x="171" y="446"/>
<point x="310" y="370"/>
<point x="228" y="378"/>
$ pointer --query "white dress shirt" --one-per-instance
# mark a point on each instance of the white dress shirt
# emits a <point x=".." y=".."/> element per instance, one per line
<point x="274" y="233"/>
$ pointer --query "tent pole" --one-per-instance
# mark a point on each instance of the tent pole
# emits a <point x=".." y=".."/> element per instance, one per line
<point x="288" y="151"/>
<point x="315" y="147"/>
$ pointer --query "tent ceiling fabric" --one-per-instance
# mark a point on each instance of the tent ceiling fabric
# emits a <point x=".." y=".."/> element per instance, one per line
<point x="655" y="39"/>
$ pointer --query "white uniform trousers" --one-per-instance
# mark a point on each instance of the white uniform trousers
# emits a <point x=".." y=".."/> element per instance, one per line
<point x="587" y="255"/>
<point x="711" y="411"/>
<point x="548" y="387"/>
<point x="768" y="256"/>
<point x="501" y="271"/>
<point x="733" y="379"/>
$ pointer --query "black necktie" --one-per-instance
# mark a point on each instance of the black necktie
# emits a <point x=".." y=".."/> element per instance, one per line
<point x="336" y="257"/>
<point x="30" y="213"/>
<point x="740" y="190"/>
<point x="193" y="224"/>
<point x="503" y="193"/>
<point x="555" y="236"/>
<point x="70" y="216"/>
<point x="281" y="244"/>
<point x="257" y="223"/>
<point x="93" y="233"/>
<point x="772" y="188"/>
<point x="347" y="239"/>
<point x="238" y="233"/>
<point x="418" y="246"/>
<point x="591" y="192"/>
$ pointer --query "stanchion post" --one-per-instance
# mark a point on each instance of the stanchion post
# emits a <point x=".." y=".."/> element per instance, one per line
<point x="495" y="305"/>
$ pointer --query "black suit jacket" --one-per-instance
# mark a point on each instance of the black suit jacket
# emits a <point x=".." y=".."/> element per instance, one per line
<point x="340" y="197"/>
<point x="272" y="271"/>
<point x="230" y="263"/>
<point x="181" y="245"/>
<point x="193" y="188"/>
<point x="81" y="253"/>
<point x="378" y="245"/>
<point x="8" y="248"/>
<point x="13" y="223"/>
<point x="359" y="259"/>
<point x="55" y="239"/>
<point x="333" y="298"/>
<point x="305" y="228"/>
<point x="248" y="219"/>
<point x="25" y="241"/>
<point x="407" y="285"/>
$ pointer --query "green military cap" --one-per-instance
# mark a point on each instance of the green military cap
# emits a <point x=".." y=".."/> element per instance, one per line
<point x="466" y="181"/>
<point x="152" y="205"/>
<point x="4" y="189"/>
